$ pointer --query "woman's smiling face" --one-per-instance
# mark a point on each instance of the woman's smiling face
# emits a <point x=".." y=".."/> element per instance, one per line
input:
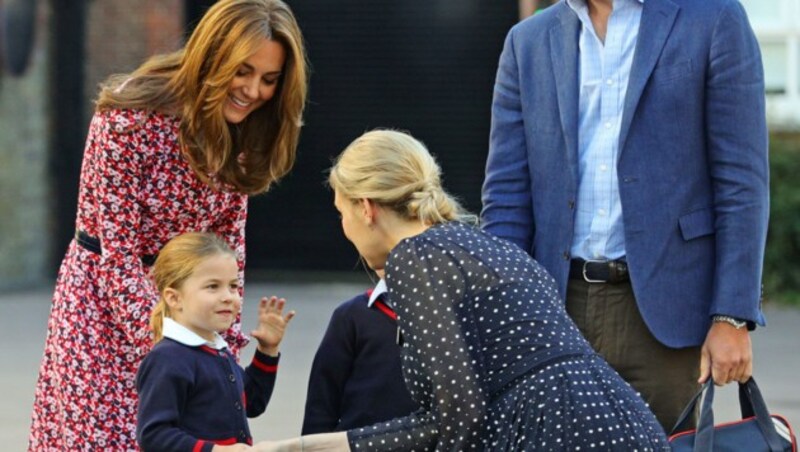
<point x="255" y="81"/>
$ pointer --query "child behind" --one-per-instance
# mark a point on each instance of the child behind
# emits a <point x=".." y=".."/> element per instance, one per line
<point x="192" y="393"/>
<point x="356" y="378"/>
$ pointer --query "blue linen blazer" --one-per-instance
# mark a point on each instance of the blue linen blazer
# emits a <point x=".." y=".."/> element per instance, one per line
<point x="693" y="164"/>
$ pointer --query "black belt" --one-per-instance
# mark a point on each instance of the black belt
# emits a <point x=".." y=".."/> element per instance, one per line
<point x="92" y="244"/>
<point x="611" y="272"/>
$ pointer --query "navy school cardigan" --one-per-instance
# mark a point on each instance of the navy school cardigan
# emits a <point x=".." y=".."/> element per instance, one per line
<point x="191" y="398"/>
<point x="356" y="378"/>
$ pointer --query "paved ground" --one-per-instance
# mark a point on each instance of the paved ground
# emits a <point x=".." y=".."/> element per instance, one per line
<point x="23" y="320"/>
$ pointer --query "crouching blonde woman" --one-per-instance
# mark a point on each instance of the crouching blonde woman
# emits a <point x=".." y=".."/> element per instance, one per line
<point x="488" y="350"/>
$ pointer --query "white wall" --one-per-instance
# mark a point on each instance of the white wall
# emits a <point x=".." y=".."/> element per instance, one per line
<point x="777" y="27"/>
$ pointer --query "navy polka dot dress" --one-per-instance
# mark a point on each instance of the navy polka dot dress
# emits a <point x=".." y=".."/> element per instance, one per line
<point x="493" y="360"/>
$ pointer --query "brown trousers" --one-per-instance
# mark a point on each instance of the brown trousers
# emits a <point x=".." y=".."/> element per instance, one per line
<point x="608" y="317"/>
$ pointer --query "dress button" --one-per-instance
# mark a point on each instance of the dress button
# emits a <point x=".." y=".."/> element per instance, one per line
<point x="232" y="377"/>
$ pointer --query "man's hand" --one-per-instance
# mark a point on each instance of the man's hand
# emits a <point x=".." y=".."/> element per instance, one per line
<point x="727" y="355"/>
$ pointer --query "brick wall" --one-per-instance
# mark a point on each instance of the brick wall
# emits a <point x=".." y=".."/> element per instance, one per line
<point x="122" y="34"/>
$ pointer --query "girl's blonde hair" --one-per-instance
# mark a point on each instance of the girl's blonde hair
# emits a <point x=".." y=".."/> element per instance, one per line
<point x="194" y="81"/>
<point x="175" y="263"/>
<point x="396" y="171"/>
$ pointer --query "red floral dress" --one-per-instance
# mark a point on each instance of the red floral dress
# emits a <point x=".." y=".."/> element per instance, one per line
<point x="136" y="192"/>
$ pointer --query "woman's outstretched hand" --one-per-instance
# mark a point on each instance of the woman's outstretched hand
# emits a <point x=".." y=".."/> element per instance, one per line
<point x="287" y="445"/>
<point x="232" y="448"/>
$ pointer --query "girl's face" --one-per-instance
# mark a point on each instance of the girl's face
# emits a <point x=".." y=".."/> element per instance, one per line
<point x="255" y="81"/>
<point x="356" y="226"/>
<point x="208" y="301"/>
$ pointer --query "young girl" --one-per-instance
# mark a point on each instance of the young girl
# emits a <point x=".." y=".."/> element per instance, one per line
<point x="192" y="394"/>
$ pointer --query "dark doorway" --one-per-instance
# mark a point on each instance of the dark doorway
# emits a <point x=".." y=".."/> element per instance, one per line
<point x="425" y="66"/>
<point x="193" y="11"/>
<point x="67" y="38"/>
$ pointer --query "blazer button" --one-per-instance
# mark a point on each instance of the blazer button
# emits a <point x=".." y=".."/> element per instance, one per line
<point x="566" y="255"/>
<point x="232" y="377"/>
<point x="571" y="204"/>
<point x="237" y="405"/>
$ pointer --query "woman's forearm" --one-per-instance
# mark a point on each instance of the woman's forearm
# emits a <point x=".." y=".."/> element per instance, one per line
<point x="334" y="442"/>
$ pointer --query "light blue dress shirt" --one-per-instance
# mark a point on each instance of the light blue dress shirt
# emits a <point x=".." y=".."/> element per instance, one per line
<point x="604" y="71"/>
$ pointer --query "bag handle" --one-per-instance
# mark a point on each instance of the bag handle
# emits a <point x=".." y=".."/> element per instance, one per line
<point x="759" y="409"/>
<point x="683" y="420"/>
<point x="751" y="403"/>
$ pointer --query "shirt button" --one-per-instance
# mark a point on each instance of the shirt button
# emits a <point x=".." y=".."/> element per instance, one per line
<point x="232" y="377"/>
<point x="601" y="212"/>
<point x="603" y="167"/>
<point x="609" y="82"/>
<point x="607" y="125"/>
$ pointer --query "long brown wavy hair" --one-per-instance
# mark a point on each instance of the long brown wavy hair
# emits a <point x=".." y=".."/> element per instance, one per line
<point x="194" y="81"/>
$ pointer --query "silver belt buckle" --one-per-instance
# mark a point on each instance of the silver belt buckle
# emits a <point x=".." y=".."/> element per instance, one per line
<point x="583" y="271"/>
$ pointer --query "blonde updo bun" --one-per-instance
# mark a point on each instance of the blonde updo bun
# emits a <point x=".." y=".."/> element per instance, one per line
<point x="396" y="171"/>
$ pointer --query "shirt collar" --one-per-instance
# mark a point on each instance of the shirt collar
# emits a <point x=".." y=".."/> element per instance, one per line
<point x="185" y="336"/>
<point x="577" y="5"/>
<point x="379" y="290"/>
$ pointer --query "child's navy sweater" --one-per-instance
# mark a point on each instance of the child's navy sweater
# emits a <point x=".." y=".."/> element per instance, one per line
<point x="192" y="397"/>
<point x="356" y="378"/>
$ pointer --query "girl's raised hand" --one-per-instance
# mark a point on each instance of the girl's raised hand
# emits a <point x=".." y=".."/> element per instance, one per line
<point x="271" y="324"/>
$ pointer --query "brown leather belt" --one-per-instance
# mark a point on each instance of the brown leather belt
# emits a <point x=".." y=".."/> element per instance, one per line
<point x="599" y="272"/>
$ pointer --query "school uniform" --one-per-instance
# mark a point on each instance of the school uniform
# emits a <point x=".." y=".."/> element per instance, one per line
<point x="356" y="378"/>
<point x="193" y="394"/>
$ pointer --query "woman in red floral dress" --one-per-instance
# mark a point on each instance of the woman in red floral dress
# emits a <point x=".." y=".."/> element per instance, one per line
<point x="175" y="146"/>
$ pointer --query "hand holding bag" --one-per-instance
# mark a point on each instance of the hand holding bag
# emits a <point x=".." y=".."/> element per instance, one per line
<point x="757" y="431"/>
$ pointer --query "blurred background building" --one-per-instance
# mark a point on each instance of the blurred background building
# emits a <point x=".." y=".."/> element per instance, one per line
<point x="426" y="66"/>
<point x="777" y="25"/>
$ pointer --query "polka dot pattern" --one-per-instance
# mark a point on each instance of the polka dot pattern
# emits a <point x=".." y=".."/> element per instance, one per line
<point x="494" y="361"/>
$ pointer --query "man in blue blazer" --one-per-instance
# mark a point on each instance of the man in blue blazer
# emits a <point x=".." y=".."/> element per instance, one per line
<point x="628" y="155"/>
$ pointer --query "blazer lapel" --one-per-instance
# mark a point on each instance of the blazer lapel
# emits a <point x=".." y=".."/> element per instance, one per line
<point x="564" y="56"/>
<point x="658" y="16"/>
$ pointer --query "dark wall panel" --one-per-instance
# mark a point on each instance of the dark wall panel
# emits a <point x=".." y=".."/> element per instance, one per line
<point x="425" y="66"/>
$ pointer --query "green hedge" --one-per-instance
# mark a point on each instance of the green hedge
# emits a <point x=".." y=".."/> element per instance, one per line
<point x="782" y="260"/>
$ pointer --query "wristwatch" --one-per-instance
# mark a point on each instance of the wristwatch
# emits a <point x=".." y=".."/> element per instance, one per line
<point x="733" y="321"/>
